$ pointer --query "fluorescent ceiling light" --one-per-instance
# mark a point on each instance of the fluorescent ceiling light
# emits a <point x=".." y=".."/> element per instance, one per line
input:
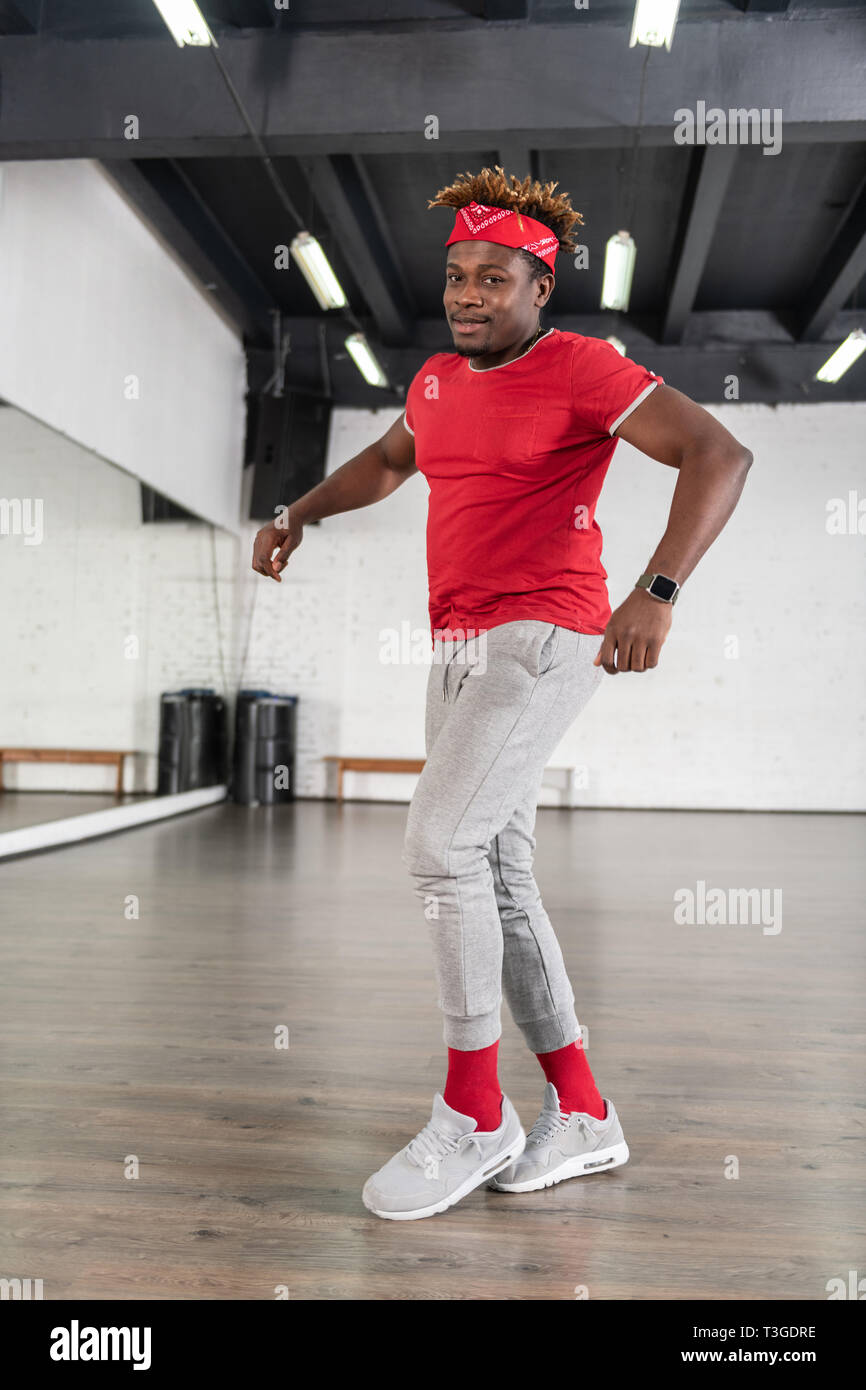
<point x="316" y="270"/>
<point x="364" y="360"/>
<point x="619" y="260"/>
<point x="844" y="357"/>
<point x="186" y="22"/>
<point x="654" y="23"/>
<point x="617" y="343"/>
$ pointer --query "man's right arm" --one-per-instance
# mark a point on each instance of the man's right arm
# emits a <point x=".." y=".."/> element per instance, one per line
<point x="368" y="477"/>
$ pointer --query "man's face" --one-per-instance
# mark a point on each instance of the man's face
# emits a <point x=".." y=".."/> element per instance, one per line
<point x="490" y="298"/>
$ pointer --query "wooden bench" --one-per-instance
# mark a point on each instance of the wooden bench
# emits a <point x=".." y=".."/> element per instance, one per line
<point x="417" y="764"/>
<point x="111" y="756"/>
<point x="371" y="765"/>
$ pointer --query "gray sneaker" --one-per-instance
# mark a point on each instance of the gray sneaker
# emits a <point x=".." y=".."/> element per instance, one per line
<point x="443" y="1163"/>
<point x="560" y="1147"/>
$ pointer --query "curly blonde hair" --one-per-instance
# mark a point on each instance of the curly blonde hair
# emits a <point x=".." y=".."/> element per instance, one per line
<point x="496" y="189"/>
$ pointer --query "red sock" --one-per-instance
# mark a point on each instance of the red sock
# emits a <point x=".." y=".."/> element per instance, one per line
<point x="569" y="1071"/>
<point x="472" y="1087"/>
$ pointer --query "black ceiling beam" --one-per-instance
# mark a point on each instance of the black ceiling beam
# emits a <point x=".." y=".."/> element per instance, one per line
<point x="770" y="367"/>
<point x="708" y="330"/>
<point x="270" y="15"/>
<point x="267" y="12"/>
<point x="764" y="6"/>
<point x="18" y="18"/>
<point x="706" y="185"/>
<point x="344" y="196"/>
<point x="506" y="9"/>
<point x="516" y="157"/>
<point x="403" y="291"/>
<point x="838" y="274"/>
<point x="165" y="198"/>
<point x="568" y="86"/>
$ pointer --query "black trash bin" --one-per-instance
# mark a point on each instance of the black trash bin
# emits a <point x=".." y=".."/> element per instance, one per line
<point x="264" y="743"/>
<point x="193" y="741"/>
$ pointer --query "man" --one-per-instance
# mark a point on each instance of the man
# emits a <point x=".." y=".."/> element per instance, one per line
<point x="514" y="431"/>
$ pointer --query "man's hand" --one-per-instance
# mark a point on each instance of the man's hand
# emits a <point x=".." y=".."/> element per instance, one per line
<point x="283" y="539"/>
<point x="634" y="636"/>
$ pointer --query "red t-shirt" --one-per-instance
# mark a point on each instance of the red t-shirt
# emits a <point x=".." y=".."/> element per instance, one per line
<point x="515" y="457"/>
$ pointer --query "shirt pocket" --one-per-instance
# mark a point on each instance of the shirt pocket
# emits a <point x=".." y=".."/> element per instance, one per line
<point x="504" y="440"/>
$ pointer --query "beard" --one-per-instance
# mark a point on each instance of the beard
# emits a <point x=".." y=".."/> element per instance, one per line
<point x="475" y="350"/>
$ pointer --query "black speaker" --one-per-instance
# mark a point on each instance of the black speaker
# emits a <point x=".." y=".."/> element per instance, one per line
<point x="290" y="438"/>
<point x="264" y="741"/>
<point x="193" y="741"/>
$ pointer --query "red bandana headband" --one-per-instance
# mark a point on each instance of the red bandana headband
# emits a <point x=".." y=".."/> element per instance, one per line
<point x="480" y="223"/>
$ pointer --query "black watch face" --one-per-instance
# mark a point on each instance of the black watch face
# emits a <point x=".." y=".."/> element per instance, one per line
<point x="663" y="588"/>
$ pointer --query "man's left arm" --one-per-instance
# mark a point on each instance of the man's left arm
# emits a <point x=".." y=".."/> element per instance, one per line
<point x="712" y="470"/>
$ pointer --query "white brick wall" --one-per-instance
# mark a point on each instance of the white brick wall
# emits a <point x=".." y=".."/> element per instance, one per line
<point x="780" y="727"/>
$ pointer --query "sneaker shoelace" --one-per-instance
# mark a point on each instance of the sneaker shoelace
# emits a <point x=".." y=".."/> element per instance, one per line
<point x="432" y="1143"/>
<point x="551" y="1122"/>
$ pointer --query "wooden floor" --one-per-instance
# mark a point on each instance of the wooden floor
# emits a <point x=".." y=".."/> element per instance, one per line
<point x="154" y="1038"/>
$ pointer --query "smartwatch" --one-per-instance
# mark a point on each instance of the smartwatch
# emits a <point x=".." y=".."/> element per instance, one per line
<point x="660" y="587"/>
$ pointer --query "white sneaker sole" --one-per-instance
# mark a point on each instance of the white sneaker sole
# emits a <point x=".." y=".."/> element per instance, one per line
<point x="599" y="1160"/>
<point x="490" y="1167"/>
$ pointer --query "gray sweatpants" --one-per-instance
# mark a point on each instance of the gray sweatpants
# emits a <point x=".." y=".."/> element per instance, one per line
<point x="498" y="705"/>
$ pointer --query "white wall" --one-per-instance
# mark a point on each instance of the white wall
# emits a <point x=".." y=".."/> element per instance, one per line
<point x="92" y="310"/>
<point x="778" y="727"/>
